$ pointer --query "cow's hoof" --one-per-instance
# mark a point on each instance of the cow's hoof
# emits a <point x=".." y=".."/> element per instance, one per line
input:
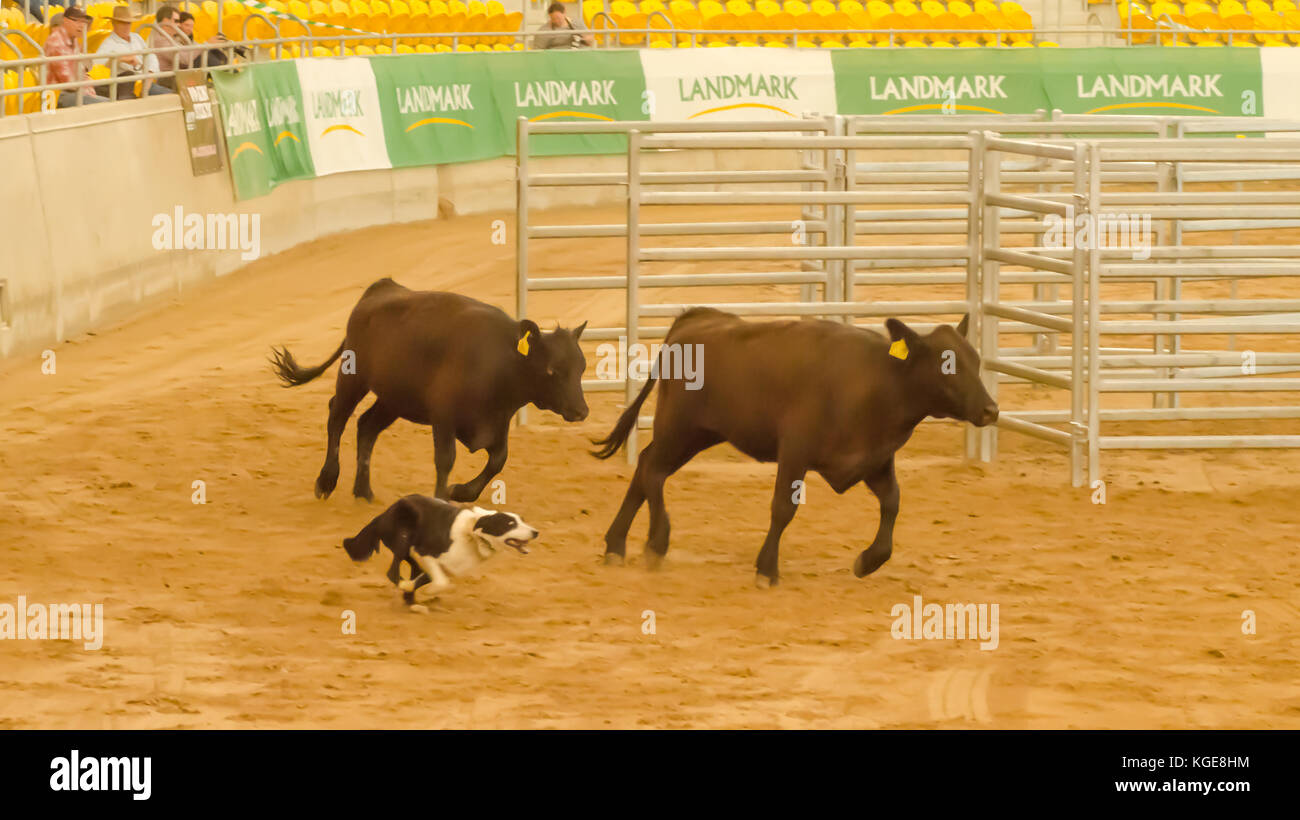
<point x="613" y="559"/>
<point x="653" y="561"/>
<point x="866" y="563"/>
<point x="763" y="582"/>
<point x="326" y="481"/>
<point x="459" y="492"/>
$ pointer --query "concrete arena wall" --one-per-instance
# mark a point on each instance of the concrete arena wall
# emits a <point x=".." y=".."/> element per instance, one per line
<point x="82" y="188"/>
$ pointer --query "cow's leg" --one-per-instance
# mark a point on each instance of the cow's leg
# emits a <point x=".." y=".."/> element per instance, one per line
<point x="653" y="468"/>
<point x="372" y="422"/>
<point x="616" y="535"/>
<point x="495" y="462"/>
<point x="885" y="485"/>
<point x="444" y="457"/>
<point x="348" y="393"/>
<point x="665" y="456"/>
<point x="789" y="470"/>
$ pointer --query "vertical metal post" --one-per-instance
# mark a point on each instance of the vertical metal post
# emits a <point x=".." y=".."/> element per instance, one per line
<point x="974" y="308"/>
<point x="633" y="307"/>
<point x="989" y="271"/>
<point x="849" y="229"/>
<point x="1094" y="321"/>
<point x="835" y="213"/>
<point x="521" y="233"/>
<point x="1078" y="302"/>
<point x="808" y="162"/>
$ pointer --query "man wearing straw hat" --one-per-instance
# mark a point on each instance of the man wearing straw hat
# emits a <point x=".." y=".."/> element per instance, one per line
<point x="124" y="40"/>
<point x="65" y="41"/>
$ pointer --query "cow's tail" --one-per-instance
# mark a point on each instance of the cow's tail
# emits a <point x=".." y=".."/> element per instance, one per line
<point x="365" y="544"/>
<point x="293" y="374"/>
<point x="618" y="436"/>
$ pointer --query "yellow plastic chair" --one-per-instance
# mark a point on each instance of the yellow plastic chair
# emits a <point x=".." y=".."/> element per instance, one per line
<point x="779" y="21"/>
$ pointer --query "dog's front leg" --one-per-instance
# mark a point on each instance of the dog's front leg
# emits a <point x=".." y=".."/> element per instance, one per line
<point x="434" y="570"/>
<point x="395" y="571"/>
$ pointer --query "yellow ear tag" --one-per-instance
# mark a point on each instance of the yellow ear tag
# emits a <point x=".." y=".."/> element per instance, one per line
<point x="898" y="349"/>
<point x="522" y="347"/>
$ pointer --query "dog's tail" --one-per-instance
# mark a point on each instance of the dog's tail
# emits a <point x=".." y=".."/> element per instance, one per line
<point x="365" y="544"/>
<point x="617" y="437"/>
<point x="293" y="374"/>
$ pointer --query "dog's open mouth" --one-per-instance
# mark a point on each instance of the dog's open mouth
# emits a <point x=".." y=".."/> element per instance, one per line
<point x="519" y="544"/>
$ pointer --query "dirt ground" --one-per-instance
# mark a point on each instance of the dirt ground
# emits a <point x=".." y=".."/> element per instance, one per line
<point x="231" y="613"/>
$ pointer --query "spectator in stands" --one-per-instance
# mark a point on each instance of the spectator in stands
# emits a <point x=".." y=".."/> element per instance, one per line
<point x="167" y="35"/>
<point x="65" y="41"/>
<point x="194" y="57"/>
<point x="568" y="35"/>
<point x="122" y="39"/>
<point x="33" y="8"/>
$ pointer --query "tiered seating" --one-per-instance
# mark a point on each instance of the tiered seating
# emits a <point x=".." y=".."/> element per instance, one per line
<point x="12" y="18"/>
<point x="1250" y="23"/>
<point x="914" y="24"/>
<point x="380" y="17"/>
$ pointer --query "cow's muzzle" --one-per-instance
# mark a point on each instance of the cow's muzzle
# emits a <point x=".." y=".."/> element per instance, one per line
<point x="987" y="416"/>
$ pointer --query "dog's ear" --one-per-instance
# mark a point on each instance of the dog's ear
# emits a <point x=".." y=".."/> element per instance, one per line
<point x="495" y="523"/>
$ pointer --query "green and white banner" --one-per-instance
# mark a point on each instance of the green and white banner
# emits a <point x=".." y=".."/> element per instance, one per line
<point x="930" y="81"/>
<point x="1154" y="81"/>
<point x="568" y="85"/>
<point x="310" y="117"/>
<point x="437" y="111"/>
<point x="341" y="105"/>
<point x="1281" y="70"/>
<point x="262" y="116"/>
<point x="730" y="84"/>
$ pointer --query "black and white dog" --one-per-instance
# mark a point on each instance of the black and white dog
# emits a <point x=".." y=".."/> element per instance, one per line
<point x="435" y="538"/>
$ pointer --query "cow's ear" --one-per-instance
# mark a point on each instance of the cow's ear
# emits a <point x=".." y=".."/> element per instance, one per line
<point x="577" y="331"/>
<point x="905" y="340"/>
<point x="963" y="325"/>
<point x="530" y="338"/>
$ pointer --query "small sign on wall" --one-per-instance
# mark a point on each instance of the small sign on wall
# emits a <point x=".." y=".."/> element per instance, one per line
<point x="199" y="106"/>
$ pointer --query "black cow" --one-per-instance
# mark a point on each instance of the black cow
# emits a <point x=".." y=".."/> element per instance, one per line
<point x="809" y="395"/>
<point x="457" y="364"/>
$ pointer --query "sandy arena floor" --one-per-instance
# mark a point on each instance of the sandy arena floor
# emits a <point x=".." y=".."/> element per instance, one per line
<point x="230" y="614"/>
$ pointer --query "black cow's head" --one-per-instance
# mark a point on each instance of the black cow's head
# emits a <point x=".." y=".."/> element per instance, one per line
<point x="555" y="365"/>
<point x="943" y="370"/>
